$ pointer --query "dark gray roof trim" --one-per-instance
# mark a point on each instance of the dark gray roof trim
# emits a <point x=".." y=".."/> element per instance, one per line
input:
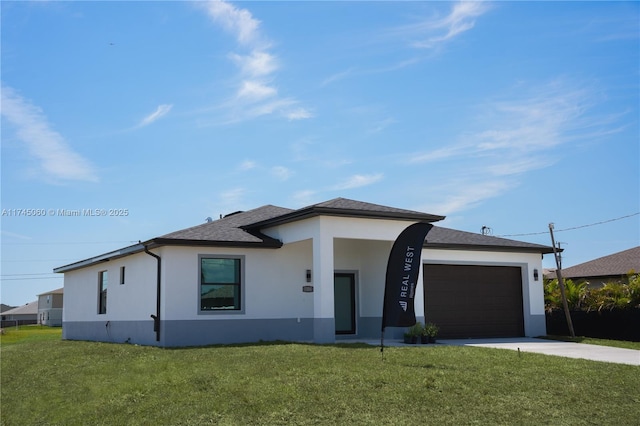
<point x="349" y="208"/>
<point x="136" y="248"/>
<point x="446" y="238"/>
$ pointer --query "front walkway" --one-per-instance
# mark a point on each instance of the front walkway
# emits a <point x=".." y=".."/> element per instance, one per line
<point x="541" y="346"/>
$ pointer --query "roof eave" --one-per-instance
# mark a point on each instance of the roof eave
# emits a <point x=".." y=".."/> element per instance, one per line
<point x="328" y="211"/>
<point x="126" y="251"/>
<point x="158" y="242"/>
<point x="487" y="247"/>
<point x="266" y="243"/>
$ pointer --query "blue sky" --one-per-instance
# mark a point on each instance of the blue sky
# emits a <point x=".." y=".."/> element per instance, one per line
<point x="509" y="115"/>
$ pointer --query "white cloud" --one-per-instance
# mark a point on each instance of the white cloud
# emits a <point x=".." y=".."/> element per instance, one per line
<point x="305" y="197"/>
<point x="269" y="107"/>
<point x="253" y="91"/>
<point x="298" y="114"/>
<point x="465" y="195"/>
<point x="337" y="77"/>
<point x="520" y="165"/>
<point x="435" y="32"/>
<point x="247" y="165"/>
<point x="281" y="173"/>
<point x="519" y="135"/>
<point x="438" y="154"/>
<point x="239" y="22"/>
<point x="257" y="63"/>
<point x="526" y="124"/>
<point x="232" y="197"/>
<point x="160" y="112"/>
<point x="256" y="95"/>
<point x="382" y="124"/>
<point x="357" y="181"/>
<point x="56" y="158"/>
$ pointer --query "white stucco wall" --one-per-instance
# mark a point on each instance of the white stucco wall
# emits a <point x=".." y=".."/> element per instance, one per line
<point x="273" y="281"/>
<point x="133" y="301"/>
<point x="369" y="259"/>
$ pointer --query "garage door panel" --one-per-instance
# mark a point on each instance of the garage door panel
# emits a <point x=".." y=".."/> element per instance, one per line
<point x="473" y="300"/>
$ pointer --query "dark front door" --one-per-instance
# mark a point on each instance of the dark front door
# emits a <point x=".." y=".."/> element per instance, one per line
<point x="344" y="302"/>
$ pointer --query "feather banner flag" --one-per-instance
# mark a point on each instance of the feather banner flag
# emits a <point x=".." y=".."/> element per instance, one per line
<point x="403" y="268"/>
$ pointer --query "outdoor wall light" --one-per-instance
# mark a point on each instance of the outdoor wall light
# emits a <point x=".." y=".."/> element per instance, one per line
<point x="308" y="275"/>
<point x="535" y="275"/>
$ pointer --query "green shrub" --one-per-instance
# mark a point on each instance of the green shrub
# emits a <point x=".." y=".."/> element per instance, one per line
<point x="612" y="295"/>
<point x="577" y="294"/>
<point x="634" y="289"/>
<point x="416" y="329"/>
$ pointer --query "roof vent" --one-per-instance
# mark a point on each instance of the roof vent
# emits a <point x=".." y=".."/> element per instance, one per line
<point x="234" y="213"/>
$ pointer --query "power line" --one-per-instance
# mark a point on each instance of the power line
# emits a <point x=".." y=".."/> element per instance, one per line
<point x="74" y="242"/>
<point x="37" y="260"/>
<point x="22" y="275"/>
<point x="574" y="227"/>
<point x="34" y="278"/>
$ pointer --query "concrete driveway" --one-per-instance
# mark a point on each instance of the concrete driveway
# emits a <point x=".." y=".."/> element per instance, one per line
<point x="552" y="347"/>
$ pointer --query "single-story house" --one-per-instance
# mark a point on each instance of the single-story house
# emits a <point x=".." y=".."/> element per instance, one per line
<point x="614" y="267"/>
<point x="313" y="274"/>
<point x="4" y="307"/>
<point x="21" y="315"/>
<point x="50" y="307"/>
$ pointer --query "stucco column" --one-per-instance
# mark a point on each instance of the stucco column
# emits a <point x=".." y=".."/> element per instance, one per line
<point x="323" y="276"/>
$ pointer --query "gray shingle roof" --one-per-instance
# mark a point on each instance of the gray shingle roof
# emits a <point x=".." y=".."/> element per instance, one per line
<point x="28" y="309"/>
<point x="349" y="208"/>
<point x="243" y="229"/>
<point x="440" y="237"/>
<point x="56" y="291"/>
<point x="612" y="265"/>
<point x="229" y="229"/>
<point x="4" y="307"/>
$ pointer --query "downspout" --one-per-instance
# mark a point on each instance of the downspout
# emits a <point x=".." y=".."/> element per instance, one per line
<point x="156" y="317"/>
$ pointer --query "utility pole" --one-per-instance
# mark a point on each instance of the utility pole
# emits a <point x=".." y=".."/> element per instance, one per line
<point x="563" y="293"/>
<point x="560" y="243"/>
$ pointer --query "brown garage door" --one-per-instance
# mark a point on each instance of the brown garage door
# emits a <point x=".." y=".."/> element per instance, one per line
<point x="474" y="301"/>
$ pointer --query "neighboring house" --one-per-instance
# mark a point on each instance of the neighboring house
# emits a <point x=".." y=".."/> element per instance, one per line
<point x="50" y="308"/>
<point x="597" y="272"/>
<point x="4" y="307"/>
<point x="315" y="274"/>
<point x="22" y="315"/>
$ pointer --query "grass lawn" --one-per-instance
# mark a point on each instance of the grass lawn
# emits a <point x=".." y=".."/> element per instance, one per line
<point x="50" y="381"/>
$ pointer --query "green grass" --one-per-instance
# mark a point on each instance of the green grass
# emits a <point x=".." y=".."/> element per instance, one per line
<point x="80" y="383"/>
<point x="29" y="333"/>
